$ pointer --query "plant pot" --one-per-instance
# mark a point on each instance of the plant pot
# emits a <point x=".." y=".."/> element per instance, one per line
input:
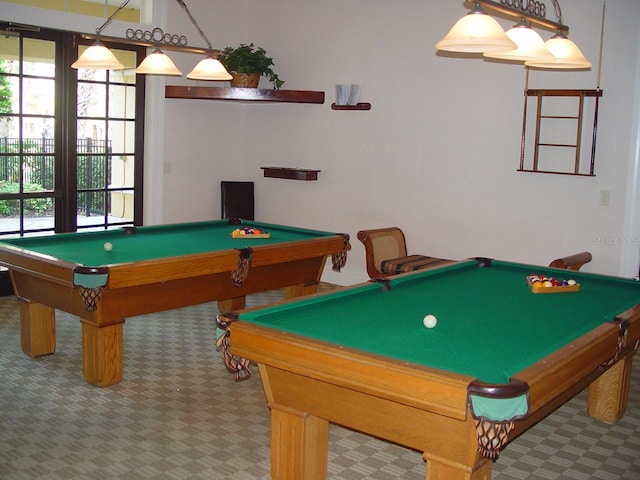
<point x="245" y="80"/>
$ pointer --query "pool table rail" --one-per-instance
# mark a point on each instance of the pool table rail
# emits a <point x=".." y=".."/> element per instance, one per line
<point x="580" y="359"/>
<point x="379" y="396"/>
<point x="309" y="382"/>
<point x="122" y="275"/>
<point x="104" y="295"/>
<point x="579" y="364"/>
<point x="416" y="385"/>
<point x="38" y="264"/>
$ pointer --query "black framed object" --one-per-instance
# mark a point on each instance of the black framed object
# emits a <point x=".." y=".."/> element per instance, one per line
<point x="237" y="200"/>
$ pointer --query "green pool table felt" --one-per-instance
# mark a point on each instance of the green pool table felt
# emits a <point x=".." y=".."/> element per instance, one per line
<point x="490" y="325"/>
<point x="154" y="242"/>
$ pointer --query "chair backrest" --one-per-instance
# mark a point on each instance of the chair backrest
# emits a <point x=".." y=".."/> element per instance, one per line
<point x="237" y="200"/>
<point x="572" y="262"/>
<point x="382" y="244"/>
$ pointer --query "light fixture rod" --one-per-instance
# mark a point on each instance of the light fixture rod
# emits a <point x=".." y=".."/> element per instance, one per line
<point x="526" y="14"/>
<point x="195" y="24"/>
<point x="604" y="6"/>
<point x="108" y="21"/>
<point x="558" y="10"/>
<point x="145" y="43"/>
<point x="149" y="43"/>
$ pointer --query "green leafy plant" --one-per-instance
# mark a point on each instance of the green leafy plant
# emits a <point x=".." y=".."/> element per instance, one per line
<point x="32" y="206"/>
<point x="250" y="59"/>
<point x="6" y="94"/>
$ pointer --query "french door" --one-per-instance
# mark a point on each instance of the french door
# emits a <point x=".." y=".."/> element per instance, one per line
<point x="70" y="141"/>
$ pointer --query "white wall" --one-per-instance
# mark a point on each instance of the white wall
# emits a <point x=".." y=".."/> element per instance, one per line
<point x="438" y="152"/>
<point x="203" y="145"/>
<point x="436" y="155"/>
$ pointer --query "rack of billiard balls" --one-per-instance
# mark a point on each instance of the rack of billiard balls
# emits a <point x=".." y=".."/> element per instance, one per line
<point x="547" y="284"/>
<point x="249" y="232"/>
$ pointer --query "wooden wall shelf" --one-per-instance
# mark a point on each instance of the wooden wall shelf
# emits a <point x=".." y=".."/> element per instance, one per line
<point x="244" y="94"/>
<point x="291" y="173"/>
<point x="359" y="106"/>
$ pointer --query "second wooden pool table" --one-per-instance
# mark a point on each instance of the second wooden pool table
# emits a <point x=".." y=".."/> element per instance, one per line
<point x="499" y="360"/>
<point x="150" y="269"/>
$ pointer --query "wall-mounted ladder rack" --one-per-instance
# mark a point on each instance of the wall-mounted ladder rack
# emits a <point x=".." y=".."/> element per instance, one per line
<point x="574" y="143"/>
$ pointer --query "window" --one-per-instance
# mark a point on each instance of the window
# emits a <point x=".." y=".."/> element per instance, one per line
<point x="94" y="8"/>
<point x="70" y="141"/>
<point x="106" y="143"/>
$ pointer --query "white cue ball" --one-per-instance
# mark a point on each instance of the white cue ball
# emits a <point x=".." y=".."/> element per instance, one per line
<point x="430" y="321"/>
<point x="108" y="247"/>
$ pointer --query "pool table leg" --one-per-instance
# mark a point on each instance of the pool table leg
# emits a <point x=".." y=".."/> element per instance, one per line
<point x="299" y="445"/>
<point x="37" y="328"/>
<point x="301" y="290"/>
<point x="102" y="353"/>
<point x="443" y="470"/>
<point x="239" y="303"/>
<point x="232" y="304"/>
<point x="608" y="394"/>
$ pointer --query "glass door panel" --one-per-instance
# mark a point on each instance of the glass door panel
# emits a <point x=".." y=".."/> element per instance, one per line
<point x="27" y="135"/>
<point x="107" y="133"/>
<point x="63" y="170"/>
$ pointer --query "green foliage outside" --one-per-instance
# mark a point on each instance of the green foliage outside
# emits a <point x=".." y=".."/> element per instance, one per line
<point x="36" y="156"/>
<point x="11" y="170"/>
<point x="32" y="206"/>
<point x="6" y="94"/>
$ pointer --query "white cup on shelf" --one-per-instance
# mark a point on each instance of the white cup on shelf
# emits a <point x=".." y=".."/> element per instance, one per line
<point x="354" y="94"/>
<point x="342" y="94"/>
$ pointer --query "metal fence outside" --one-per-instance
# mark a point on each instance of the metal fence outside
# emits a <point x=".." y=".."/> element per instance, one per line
<point x="38" y="168"/>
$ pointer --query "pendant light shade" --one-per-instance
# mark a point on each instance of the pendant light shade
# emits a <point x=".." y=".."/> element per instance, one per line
<point x="157" y="63"/>
<point x="98" y="57"/>
<point x="209" y="68"/>
<point x="566" y="54"/>
<point x="476" y="32"/>
<point x="530" y="45"/>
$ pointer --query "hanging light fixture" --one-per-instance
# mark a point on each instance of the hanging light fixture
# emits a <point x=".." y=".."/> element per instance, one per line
<point x="98" y="57"/>
<point x="526" y="45"/>
<point x="157" y="62"/>
<point x="208" y="68"/>
<point x="529" y="45"/>
<point x="476" y="32"/>
<point x="566" y="55"/>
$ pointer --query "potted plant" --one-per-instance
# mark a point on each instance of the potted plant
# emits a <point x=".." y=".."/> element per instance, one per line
<point x="248" y="60"/>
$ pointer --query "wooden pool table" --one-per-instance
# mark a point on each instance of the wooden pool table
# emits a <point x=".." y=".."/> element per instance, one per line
<point x="500" y="358"/>
<point x="150" y="269"/>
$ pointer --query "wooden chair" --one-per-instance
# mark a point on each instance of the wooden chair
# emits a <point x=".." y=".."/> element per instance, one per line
<point x="572" y="262"/>
<point x="386" y="253"/>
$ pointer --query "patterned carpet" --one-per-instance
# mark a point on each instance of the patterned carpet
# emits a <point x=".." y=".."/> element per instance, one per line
<point x="179" y="415"/>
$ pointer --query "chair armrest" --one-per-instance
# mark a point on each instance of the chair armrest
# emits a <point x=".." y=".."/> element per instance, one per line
<point x="572" y="262"/>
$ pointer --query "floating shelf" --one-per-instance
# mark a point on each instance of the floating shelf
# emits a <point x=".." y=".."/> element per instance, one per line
<point x="244" y="94"/>
<point x="291" y="173"/>
<point x="358" y="106"/>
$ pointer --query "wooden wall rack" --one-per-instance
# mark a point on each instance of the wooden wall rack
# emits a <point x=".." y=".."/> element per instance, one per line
<point x="573" y="143"/>
<point x="288" y="173"/>
<point x="244" y="94"/>
<point x="358" y="106"/>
